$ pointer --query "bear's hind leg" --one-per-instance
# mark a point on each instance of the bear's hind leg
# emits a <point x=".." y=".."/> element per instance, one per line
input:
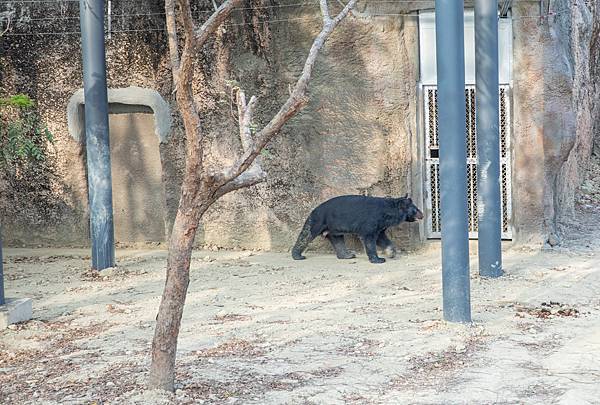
<point x="342" y="252"/>
<point x="387" y="245"/>
<point x="370" y="242"/>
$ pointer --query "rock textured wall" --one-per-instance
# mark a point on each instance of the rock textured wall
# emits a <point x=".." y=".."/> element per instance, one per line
<point x="556" y="112"/>
<point x="354" y="137"/>
<point x="580" y="30"/>
<point x="357" y="135"/>
<point x="52" y="209"/>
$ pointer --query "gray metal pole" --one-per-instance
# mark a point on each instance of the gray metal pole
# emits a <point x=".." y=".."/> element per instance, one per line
<point x="2" y="301"/>
<point x="488" y="138"/>
<point x="450" y="55"/>
<point x="96" y="133"/>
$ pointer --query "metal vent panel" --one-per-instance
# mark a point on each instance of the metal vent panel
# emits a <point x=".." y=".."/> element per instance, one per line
<point x="432" y="184"/>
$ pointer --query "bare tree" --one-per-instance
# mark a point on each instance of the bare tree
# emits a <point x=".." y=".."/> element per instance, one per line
<point x="203" y="185"/>
<point x="6" y="18"/>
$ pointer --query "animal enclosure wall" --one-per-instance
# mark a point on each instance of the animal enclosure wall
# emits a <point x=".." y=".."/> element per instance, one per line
<point x="361" y="133"/>
<point x="354" y="137"/>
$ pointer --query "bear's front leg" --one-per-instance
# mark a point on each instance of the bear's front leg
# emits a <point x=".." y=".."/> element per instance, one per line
<point x="386" y="245"/>
<point x="371" y="249"/>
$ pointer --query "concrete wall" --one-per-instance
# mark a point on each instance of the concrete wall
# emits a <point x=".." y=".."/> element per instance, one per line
<point x="139" y="123"/>
<point x="138" y="192"/>
<point x="357" y="135"/>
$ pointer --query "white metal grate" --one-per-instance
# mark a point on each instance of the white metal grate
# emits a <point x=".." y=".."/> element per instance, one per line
<point x="432" y="184"/>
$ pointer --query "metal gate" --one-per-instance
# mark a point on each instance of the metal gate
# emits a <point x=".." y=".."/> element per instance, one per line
<point x="432" y="173"/>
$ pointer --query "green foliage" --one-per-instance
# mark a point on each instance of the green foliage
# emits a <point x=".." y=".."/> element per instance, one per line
<point x="19" y="101"/>
<point x="23" y="136"/>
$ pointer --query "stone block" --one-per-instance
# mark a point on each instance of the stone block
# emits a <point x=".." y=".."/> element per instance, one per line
<point x="15" y="310"/>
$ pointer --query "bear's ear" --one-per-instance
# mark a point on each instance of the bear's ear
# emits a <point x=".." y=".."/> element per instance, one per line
<point x="405" y="195"/>
<point x="404" y="201"/>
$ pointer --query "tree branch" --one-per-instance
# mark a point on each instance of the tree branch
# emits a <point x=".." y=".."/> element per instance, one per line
<point x="189" y="46"/>
<point x="182" y="65"/>
<point x="194" y="39"/>
<point x="324" y="11"/>
<point x="216" y="19"/>
<point x="251" y="177"/>
<point x="172" y="34"/>
<point x="245" y="115"/>
<point x="355" y="13"/>
<point x="296" y="101"/>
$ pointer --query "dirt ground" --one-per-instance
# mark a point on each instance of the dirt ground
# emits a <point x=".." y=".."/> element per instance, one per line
<point x="260" y="328"/>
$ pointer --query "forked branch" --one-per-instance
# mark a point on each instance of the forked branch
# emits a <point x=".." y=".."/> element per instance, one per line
<point x="200" y="190"/>
<point x="182" y="64"/>
<point x="255" y="173"/>
<point x="296" y="101"/>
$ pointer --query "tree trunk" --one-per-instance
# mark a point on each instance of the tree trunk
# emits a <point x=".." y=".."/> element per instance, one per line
<point x="168" y="320"/>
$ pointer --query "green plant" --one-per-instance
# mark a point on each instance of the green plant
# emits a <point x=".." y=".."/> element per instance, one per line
<point x="19" y="101"/>
<point x="23" y="136"/>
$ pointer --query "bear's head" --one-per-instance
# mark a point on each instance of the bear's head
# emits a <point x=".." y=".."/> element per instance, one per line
<point x="410" y="209"/>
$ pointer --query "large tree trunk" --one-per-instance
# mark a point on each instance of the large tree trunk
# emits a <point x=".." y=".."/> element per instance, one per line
<point x="168" y="320"/>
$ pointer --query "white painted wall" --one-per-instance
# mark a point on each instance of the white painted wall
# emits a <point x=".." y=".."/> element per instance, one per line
<point x="427" y="48"/>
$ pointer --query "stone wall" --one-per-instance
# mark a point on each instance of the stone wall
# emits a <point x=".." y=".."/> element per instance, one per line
<point x="48" y="68"/>
<point x="357" y="135"/>
<point x="581" y="32"/>
<point x="555" y="108"/>
<point x="354" y="137"/>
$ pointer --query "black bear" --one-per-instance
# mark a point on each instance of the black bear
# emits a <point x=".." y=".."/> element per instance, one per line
<point x="367" y="217"/>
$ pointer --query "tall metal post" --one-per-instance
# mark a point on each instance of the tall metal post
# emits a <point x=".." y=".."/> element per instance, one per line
<point x="96" y="133"/>
<point x="2" y="301"/>
<point x="488" y="138"/>
<point x="450" y="56"/>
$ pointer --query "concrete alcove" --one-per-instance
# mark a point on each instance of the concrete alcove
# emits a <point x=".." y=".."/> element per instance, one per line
<point x="139" y="121"/>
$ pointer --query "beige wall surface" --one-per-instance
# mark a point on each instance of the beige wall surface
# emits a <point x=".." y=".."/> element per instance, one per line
<point x="358" y="134"/>
<point x="138" y="192"/>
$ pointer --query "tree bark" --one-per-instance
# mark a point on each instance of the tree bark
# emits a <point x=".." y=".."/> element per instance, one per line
<point x="168" y="320"/>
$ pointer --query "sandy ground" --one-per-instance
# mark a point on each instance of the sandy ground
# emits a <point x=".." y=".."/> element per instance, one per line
<point x="260" y="328"/>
